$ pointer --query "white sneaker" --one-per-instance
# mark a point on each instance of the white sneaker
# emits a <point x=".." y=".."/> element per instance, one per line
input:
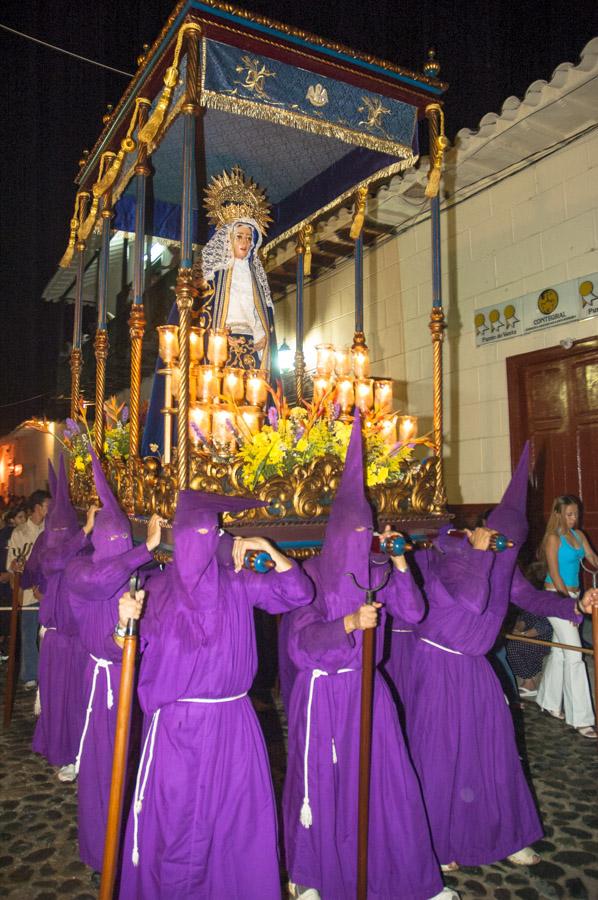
<point x="306" y="893"/>
<point x="446" y="893"/>
<point x="67" y="773"/>
<point x="30" y="685"/>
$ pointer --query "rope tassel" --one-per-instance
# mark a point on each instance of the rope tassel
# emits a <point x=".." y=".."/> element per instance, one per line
<point x="438" y="144"/>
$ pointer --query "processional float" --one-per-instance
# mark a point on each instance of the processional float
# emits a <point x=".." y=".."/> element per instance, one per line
<point x="235" y="109"/>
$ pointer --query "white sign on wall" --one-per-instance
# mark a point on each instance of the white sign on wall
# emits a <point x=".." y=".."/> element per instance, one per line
<point x="557" y="305"/>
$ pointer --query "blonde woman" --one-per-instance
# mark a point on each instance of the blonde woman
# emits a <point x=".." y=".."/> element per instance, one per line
<point x="565" y="682"/>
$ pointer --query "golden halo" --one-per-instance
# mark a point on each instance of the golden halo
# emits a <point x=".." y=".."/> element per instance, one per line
<point x="232" y="196"/>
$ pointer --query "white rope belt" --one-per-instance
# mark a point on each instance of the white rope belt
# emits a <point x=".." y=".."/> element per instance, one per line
<point x="402" y="630"/>
<point x="148" y="747"/>
<point x="305" y="816"/>
<point x="441" y="647"/>
<point x="99" y="664"/>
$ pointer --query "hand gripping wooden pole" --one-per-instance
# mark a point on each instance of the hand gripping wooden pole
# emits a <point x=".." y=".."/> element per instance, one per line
<point x="119" y="759"/>
<point x="365" y="744"/>
<point x="11" y="670"/>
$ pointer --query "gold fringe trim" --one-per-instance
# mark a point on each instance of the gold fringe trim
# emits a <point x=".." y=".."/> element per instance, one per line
<point x="68" y="254"/>
<point x="127" y="145"/>
<point x="242" y="107"/>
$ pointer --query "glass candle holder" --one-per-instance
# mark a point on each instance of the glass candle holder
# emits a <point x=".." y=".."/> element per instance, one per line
<point x="217" y="347"/>
<point x="223" y="435"/>
<point x="256" y="390"/>
<point x="322" y="387"/>
<point x="407" y="428"/>
<point x="232" y="384"/>
<point x="383" y="395"/>
<point x="168" y="339"/>
<point x="324" y="359"/>
<point x="200" y="422"/>
<point x="252" y="417"/>
<point x="196" y="344"/>
<point x="342" y="361"/>
<point x="361" y="362"/>
<point x="208" y="383"/>
<point x="344" y="394"/>
<point x="364" y="393"/>
<point x="388" y="430"/>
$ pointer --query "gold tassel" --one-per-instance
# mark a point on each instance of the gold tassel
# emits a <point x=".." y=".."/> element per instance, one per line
<point x="86" y="227"/>
<point x="359" y="215"/>
<point x="307" y="233"/>
<point x="151" y="128"/>
<point x="67" y="257"/>
<point x="438" y="144"/>
<point x="127" y="145"/>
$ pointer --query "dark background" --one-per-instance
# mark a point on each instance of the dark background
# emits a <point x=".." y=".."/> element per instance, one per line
<point x="52" y="106"/>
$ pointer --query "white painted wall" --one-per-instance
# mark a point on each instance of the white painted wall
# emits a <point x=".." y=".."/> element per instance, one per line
<point x="535" y="229"/>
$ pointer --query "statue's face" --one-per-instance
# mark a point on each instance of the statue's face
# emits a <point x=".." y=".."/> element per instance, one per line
<point x="242" y="241"/>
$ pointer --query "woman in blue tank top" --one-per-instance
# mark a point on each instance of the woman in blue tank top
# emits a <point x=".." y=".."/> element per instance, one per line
<point x="565" y="682"/>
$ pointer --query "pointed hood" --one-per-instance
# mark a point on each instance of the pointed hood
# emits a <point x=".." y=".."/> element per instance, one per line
<point x="348" y="537"/>
<point x="111" y="534"/>
<point x="62" y="521"/>
<point x="509" y="517"/>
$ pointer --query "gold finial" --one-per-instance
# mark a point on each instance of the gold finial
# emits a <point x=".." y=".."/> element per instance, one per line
<point x="142" y="55"/>
<point x="84" y="158"/>
<point x="108" y="114"/>
<point x="431" y="65"/>
<point x="232" y="196"/>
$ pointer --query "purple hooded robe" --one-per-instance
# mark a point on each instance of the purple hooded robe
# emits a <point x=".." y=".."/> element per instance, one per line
<point x="321" y="789"/>
<point x="61" y="658"/>
<point x="459" y="727"/>
<point x="203" y="822"/>
<point x="95" y="584"/>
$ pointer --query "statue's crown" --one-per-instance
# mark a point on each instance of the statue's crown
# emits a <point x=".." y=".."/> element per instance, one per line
<point x="232" y="196"/>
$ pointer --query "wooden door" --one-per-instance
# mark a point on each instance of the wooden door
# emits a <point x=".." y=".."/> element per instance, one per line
<point x="553" y="401"/>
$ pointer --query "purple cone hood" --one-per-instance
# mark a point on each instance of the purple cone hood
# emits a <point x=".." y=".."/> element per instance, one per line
<point x="510" y="517"/>
<point x="111" y="534"/>
<point x="61" y="522"/>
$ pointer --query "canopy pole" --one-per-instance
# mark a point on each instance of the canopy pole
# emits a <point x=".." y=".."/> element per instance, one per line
<point x="76" y="355"/>
<point x="101" y="340"/>
<point x="301" y="249"/>
<point x="356" y="234"/>
<point x="185" y="289"/>
<point x="438" y="143"/>
<point x="137" y="318"/>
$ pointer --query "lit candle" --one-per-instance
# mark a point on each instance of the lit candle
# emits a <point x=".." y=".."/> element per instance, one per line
<point x="252" y="417"/>
<point x="324" y="359"/>
<point x="407" y="428"/>
<point x="167" y="416"/>
<point x="364" y="393"/>
<point x="361" y="362"/>
<point x="199" y="421"/>
<point x="322" y="386"/>
<point x="256" y="390"/>
<point x="222" y="434"/>
<point x="175" y="382"/>
<point x="217" y="347"/>
<point x="168" y="337"/>
<point x="342" y="361"/>
<point x="208" y="383"/>
<point x="232" y="384"/>
<point x="196" y="344"/>
<point x="388" y="430"/>
<point x="344" y="394"/>
<point x="383" y="395"/>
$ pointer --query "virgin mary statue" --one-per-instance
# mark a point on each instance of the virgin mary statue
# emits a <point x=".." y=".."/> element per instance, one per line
<point x="235" y="296"/>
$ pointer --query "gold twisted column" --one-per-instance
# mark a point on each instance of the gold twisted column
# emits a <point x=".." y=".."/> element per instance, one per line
<point x="437" y="327"/>
<point x="185" y="293"/>
<point x="76" y="366"/>
<point x="136" y="332"/>
<point x="76" y="354"/>
<point x="101" y="349"/>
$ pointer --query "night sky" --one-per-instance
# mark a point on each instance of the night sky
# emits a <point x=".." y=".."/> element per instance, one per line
<point x="52" y="107"/>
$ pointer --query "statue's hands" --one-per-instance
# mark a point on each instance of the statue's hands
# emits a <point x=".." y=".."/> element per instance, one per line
<point x="91" y="518"/>
<point x="259" y="345"/>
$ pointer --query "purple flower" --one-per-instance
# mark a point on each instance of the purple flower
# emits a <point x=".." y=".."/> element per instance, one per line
<point x="71" y="428"/>
<point x="395" y="448"/>
<point x="336" y="410"/>
<point x="273" y="417"/>
<point x="124" y="416"/>
<point x="198" y="433"/>
<point x="299" y="432"/>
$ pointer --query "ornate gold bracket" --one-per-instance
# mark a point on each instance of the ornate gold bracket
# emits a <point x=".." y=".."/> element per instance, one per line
<point x="359" y="214"/>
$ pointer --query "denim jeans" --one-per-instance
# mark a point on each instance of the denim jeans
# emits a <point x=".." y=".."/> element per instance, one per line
<point x="29" y="650"/>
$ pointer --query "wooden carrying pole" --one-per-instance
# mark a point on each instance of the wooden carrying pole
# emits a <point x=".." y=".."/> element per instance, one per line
<point x="595" y="643"/>
<point x="528" y="640"/>
<point x="9" y="691"/>
<point x="119" y="761"/>
<point x="365" y="758"/>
